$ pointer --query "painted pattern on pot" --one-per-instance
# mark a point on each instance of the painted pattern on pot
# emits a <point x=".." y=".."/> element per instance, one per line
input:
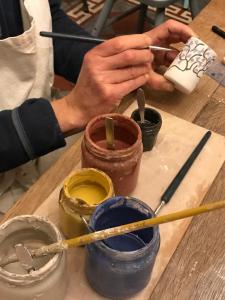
<point x="195" y="56"/>
<point x="190" y="65"/>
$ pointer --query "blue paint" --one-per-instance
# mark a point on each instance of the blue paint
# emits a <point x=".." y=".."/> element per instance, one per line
<point x="121" y="266"/>
<point x="119" y="216"/>
<point x="126" y="242"/>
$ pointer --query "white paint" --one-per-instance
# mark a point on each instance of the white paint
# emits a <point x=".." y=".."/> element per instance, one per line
<point x="48" y="281"/>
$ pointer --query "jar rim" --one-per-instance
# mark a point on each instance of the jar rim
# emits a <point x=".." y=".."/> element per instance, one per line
<point x="84" y="172"/>
<point x="43" y="271"/>
<point x="153" y="125"/>
<point x="108" y="152"/>
<point x="128" y="255"/>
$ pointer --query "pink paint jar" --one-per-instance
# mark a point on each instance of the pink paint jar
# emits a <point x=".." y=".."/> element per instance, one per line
<point x="123" y="163"/>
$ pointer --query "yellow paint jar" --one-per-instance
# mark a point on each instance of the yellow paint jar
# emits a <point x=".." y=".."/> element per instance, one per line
<point x="80" y="195"/>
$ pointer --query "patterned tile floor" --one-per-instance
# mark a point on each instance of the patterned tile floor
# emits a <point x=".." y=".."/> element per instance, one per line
<point x="128" y="24"/>
<point x="125" y="26"/>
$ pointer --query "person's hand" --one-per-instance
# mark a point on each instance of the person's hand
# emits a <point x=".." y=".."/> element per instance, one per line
<point x="115" y="68"/>
<point x="163" y="35"/>
<point x="110" y="71"/>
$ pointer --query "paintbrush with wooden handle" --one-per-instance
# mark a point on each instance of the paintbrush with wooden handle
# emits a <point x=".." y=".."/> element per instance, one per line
<point x="119" y="230"/>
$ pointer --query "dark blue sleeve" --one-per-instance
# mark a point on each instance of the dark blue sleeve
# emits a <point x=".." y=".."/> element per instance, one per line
<point x="40" y="128"/>
<point x="68" y="55"/>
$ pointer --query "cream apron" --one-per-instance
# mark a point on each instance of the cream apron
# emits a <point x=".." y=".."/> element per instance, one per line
<point x="26" y="64"/>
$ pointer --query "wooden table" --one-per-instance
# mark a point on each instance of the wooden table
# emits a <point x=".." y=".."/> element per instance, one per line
<point x="197" y="269"/>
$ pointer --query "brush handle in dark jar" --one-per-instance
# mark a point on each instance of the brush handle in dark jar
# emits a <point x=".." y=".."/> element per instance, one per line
<point x="121" y="164"/>
<point x="114" y="273"/>
<point x="150" y="128"/>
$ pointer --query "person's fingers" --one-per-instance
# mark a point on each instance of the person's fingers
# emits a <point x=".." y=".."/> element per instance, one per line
<point x="158" y="82"/>
<point x="170" y="56"/>
<point x="129" y="57"/>
<point x="176" y="29"/>
<point x="122" y="43"/>
<point x="118" y="76"/>
<point x="130" y="85"/>
<point x="175" y="38"/>
<point x="165" y="58"/>
<point x="171" y="30"/>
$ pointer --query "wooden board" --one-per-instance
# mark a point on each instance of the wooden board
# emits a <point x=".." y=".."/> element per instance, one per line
<point x="175" y="142"/>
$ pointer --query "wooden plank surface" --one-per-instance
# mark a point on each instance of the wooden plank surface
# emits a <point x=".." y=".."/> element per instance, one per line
<point x="196" y="271"/>
<point x="177" y="138"/>
<point x="184" y="106"/>
<point x="219" y="94"/>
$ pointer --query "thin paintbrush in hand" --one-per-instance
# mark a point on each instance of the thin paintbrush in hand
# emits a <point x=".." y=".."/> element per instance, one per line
<point x="88" y="39"/>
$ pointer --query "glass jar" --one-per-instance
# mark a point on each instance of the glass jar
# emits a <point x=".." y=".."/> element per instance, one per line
<point x="121" y="266"/>
<point x="123" y="163"/>
<point x="48" y="280"/>
<point x="150" y="128"/>
<point x="81" y="194"/>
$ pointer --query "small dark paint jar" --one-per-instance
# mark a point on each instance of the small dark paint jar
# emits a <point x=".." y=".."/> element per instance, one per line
<point x="150" y="128"/>
<point x="121" y="266"/>
<point x="121" y="164"/>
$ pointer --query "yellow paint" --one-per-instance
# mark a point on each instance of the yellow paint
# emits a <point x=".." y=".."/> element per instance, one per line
<point x="80" y="195"/>
<point x="90" y="192"/>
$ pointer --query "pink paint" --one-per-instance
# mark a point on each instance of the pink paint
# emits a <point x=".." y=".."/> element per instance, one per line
<point x="119" y="145"/>
<point x="121" y="164"/>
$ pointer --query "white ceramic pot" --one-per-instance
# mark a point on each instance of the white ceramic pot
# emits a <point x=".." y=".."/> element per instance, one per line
<point x="190" y="65"/>
<point x="49" y="280"/>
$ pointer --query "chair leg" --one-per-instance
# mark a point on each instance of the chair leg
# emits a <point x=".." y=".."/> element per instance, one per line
<point x="159" y="16"/>
<point x="85" y="6"/>
<point x="141" y="18"/>
<point x="102" y="18"/>
<point x="186" y="4"/>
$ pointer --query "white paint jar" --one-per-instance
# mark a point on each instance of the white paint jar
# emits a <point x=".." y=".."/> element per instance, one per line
<point x="48" y="281"/>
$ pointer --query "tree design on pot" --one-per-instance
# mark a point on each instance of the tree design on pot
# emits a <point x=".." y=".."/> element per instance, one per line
<point x="195" y="57"/>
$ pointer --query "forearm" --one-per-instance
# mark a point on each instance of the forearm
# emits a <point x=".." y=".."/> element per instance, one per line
<point x="68" y="55"/>
<point x="40" y="127"/>
<point x="70" y="117"/>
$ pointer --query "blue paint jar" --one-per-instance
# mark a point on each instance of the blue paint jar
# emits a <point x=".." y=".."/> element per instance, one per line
<point x="121" y="266"/>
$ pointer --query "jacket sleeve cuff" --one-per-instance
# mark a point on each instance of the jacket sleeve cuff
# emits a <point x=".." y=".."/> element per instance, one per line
<point x="40" y="128"/>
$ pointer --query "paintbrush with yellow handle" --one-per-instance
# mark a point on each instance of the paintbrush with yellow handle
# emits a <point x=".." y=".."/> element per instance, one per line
<point x="119" y="230"/>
